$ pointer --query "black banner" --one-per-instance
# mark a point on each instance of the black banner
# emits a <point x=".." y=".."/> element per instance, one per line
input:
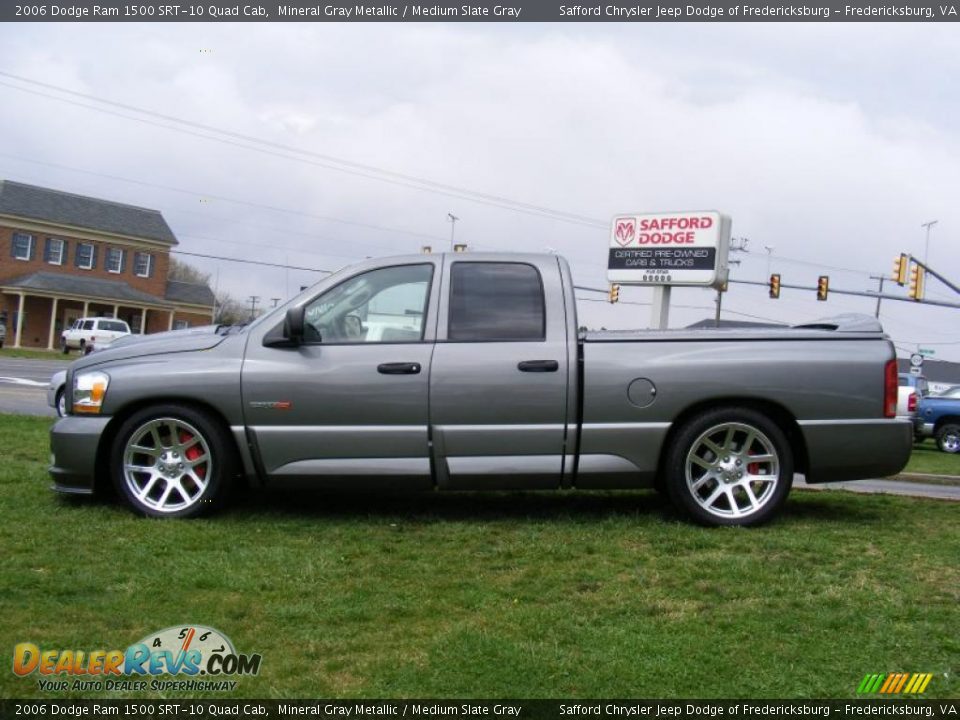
<point x="476" y="11"/>
<point x="645" y="709"/>
<point x="662" y="258"/>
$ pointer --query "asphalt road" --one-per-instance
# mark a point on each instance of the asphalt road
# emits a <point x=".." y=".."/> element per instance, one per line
<point x="23" y="385"/>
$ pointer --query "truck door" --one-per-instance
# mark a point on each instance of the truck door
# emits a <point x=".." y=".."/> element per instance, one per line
<point x="348" y="406"/>
<point x="499" y="380"/>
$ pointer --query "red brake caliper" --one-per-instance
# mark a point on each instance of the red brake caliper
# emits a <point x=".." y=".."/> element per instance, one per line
<point x="753" y="468"/>
<point x="192" y="453"/>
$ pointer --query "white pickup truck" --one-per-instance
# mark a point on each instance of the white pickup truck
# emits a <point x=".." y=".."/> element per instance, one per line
<point x="86" y="333"/>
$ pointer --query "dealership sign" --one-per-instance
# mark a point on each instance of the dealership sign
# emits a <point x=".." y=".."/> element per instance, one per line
<point x="679" y="248"/>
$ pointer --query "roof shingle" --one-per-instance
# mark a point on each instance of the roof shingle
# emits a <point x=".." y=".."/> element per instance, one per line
<point x="54" y="206"/>
<point x="190" y="293"/>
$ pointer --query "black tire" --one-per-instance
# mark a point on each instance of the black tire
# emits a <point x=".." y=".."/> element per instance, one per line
<point x="716" y="488"/>
<point x="203" y="492"/>
<point x="64" y="348"/>
<point x="57" y="404"/>
<point x="948" y="438"/>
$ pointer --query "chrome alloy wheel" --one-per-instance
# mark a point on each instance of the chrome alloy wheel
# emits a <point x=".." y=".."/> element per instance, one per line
<point x="167" y="464"/>
<point x="950" y="440"/>
<point x="732" y="470"/>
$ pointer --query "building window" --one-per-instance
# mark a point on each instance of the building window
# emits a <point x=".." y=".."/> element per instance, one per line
<point x="115" y="260"/>
<point x="22" y="246"/>
<point x="86" y="256"/>
<point x="180" y="324"/>
<point x="143" y="265"/>
<point x="56" y="251"/>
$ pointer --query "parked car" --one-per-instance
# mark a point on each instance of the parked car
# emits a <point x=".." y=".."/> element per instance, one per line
<point x="940" y="419"/>
<point x="478" y="379"/>
<point x="87" y="333"/>
<point x="910" y="389"/>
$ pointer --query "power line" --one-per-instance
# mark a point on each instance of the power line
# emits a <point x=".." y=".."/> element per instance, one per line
<point x="223" y="198"/>
<point x="252" y="262"/>
<point x="329" y="162"/>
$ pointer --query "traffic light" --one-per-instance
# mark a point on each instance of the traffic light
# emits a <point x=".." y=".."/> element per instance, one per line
<point x="459" y="248"/>
<point x="899" y="274"/>
<point x="775" y="286"/>
<point x="916" y="283"/>
<point x="426" y="250"/>
<point x="823" y="287"/>
<point x="614" y="293"/>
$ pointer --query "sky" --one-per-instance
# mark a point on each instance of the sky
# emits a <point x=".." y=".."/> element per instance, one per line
<point x="316" y="145"/>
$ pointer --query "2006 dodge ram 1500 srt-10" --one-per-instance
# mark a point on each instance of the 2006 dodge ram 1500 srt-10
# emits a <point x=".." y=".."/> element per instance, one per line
<point x="467" y="372"/>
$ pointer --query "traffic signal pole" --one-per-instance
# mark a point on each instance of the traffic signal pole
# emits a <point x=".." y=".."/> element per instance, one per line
<point x="859" y="293"/>
<point x="881" y="278"/>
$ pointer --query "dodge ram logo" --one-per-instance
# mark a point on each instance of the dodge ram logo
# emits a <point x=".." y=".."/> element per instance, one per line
<point x="626" y="229"/>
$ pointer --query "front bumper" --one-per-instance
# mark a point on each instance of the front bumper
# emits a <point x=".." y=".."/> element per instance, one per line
<point x="73" y="453"/>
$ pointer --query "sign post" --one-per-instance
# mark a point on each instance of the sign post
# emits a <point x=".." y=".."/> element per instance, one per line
<point x="666" y="249"/>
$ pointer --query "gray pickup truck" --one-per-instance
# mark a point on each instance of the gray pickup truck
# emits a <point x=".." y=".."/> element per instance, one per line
<point x="467" y="372"/>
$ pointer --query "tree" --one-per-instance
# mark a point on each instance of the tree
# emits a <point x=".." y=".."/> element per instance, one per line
<point x="229" y="310"/>
<point x="183" y="272"/>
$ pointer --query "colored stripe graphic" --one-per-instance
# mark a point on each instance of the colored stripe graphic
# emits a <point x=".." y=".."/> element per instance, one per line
<point x="913" y="683"/>
<point x="895" y="683"/>
<point x="900" y="682"/>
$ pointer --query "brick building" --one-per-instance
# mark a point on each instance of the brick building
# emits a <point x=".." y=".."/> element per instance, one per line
<point x="65" y="256"/>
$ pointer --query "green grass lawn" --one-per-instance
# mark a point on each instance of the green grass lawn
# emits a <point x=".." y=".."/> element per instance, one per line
<point x="579" y="595"/>
<point x="927" y="458"/>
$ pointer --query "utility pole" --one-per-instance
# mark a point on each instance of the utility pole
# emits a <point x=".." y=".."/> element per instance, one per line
<point x="881" y="278"/>
<point x="275" y="301"/>
<point x="254" y="299"/>
<point x="453" y="226"/>
<point x="926" y="246"/>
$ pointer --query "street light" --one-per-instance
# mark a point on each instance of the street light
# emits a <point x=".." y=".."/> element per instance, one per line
<point x="453" y="225"/>
<point x="926" y="246"/>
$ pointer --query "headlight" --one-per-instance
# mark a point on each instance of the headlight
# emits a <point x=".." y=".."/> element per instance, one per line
<point x="88" y="391"/>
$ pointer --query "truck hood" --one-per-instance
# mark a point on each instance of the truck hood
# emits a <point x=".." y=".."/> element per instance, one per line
<point x="174" y="341"/>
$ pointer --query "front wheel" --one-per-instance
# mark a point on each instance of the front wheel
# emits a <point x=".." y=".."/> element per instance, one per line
<point x="948" y="438"/>
<point x="730" y="466"/>
<point x="172" y="461"/>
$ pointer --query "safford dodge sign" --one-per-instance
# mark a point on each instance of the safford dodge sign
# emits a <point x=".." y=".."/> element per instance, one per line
<point x="682" y="248"/>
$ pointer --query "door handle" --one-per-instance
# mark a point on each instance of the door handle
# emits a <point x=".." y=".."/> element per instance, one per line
<point x="400" y="368"/>
<point x="538" y="366"/>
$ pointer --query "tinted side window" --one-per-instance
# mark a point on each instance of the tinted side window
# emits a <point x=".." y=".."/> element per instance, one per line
<point x="496" y="301"/>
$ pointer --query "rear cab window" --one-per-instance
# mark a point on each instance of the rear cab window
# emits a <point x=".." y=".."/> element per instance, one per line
<point x="496" y="301"/>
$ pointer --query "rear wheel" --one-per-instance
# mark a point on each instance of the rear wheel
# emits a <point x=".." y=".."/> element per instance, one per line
<point x="948" y="438"/>
<point x="730" y="466"/>
<point x="172" y="461"/>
